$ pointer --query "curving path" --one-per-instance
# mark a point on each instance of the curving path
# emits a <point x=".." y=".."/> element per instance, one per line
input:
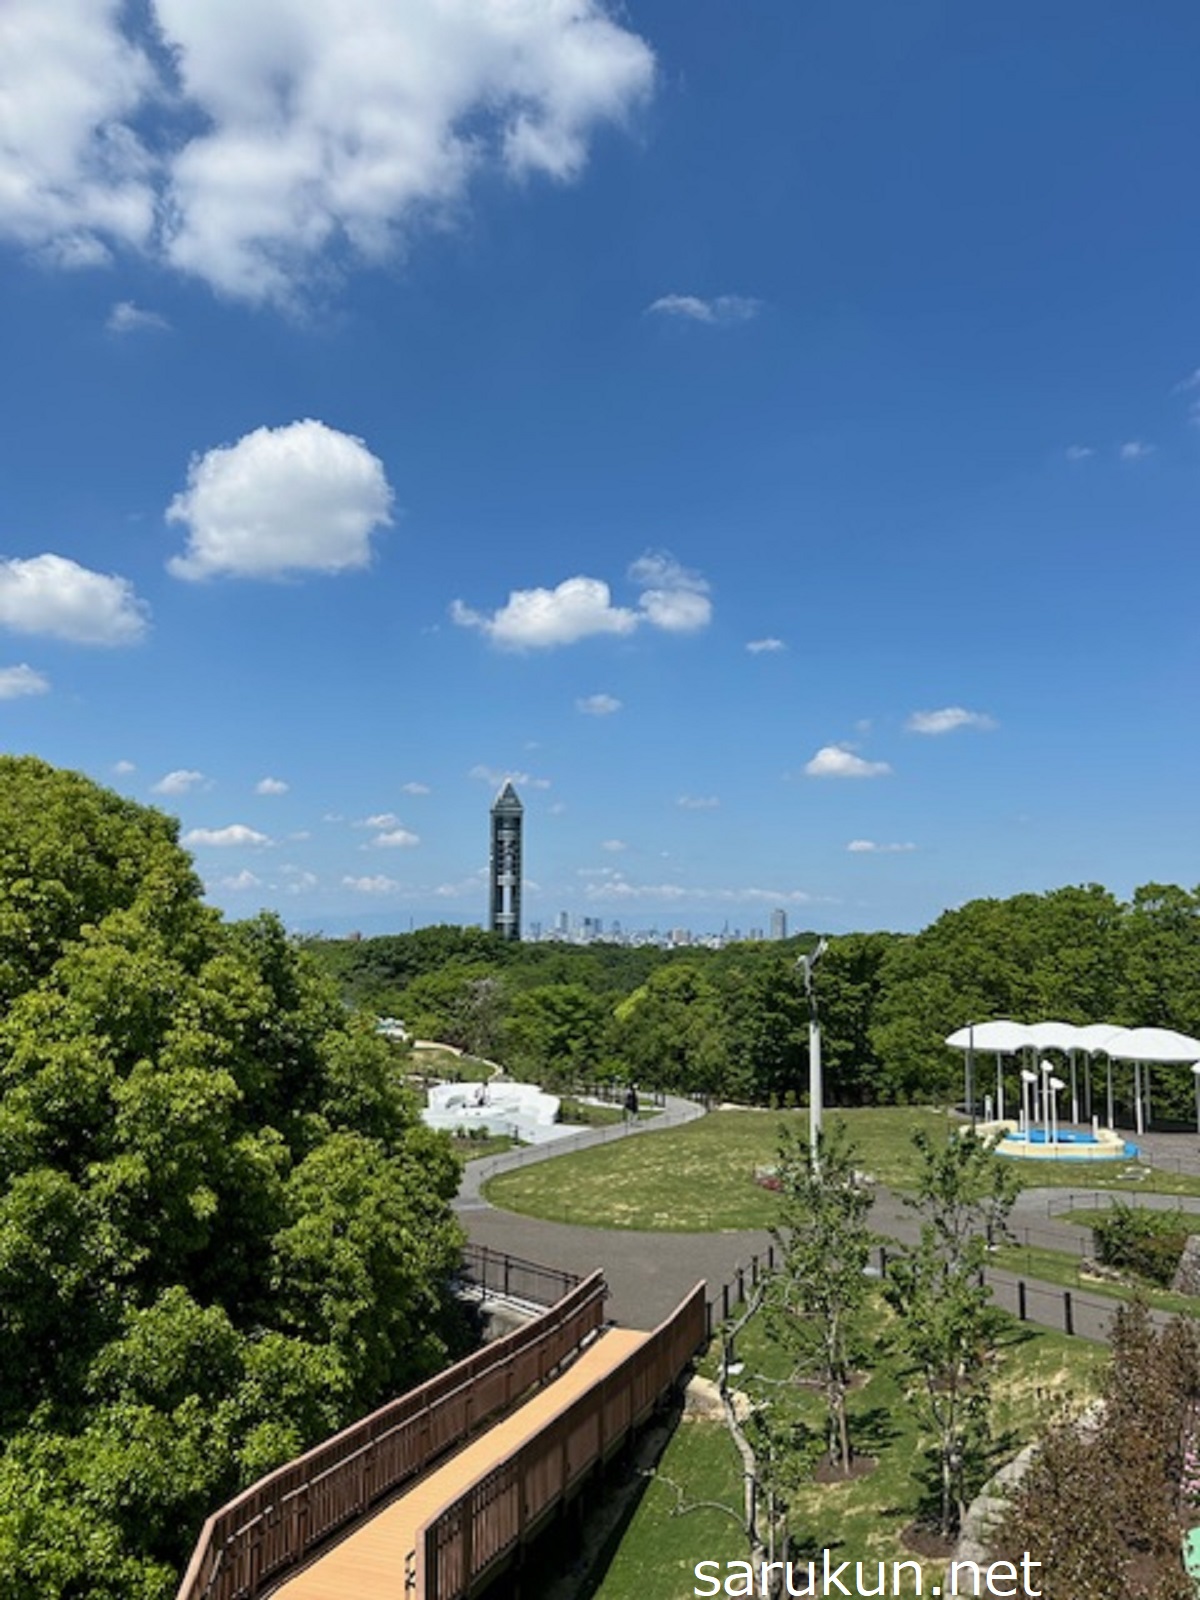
<point x="649" y="1273"/>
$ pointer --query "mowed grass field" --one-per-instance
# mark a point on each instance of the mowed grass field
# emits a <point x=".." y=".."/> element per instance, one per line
<point x="700" y="1178"/>
<point x="679" y="1521"/>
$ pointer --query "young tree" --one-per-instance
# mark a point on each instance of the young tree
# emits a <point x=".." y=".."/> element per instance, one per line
<point x="948" y="1325"/>
<point x="816" y="1299"/>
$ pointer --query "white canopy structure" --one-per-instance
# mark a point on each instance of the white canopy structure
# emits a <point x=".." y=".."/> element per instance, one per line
<point x="1142" y="1047"/>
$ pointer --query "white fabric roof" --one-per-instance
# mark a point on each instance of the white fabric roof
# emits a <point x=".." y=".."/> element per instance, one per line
<point x="1124" y="1044"/>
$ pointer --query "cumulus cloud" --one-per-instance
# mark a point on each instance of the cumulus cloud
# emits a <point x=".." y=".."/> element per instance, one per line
<point x="301" y="498"/>
<point x="255" y="146"/>
<point x="759" y="647"/>
<point x="538" y="619"/>
<point x="271" y="786"/>
<point x="1079" y="452"/>
<point x="698" y="802"/>
<point x="1135" y="450"/>
<point x="721" y="311"/>
<point x="395" y="839"/>
<point x="124" y="768"/>
<point x="381" y="819"/>
<point x="865" y="847"/>
<point x="56" y="597"/>
<point x="614" y="845"/>
<point x="377" y="883"/>
<point x="836" y="761"/>
<point x="598" y="705"/>
<point x="948" y="719"/>
<point x="672" y="598"/>
<point x="237" y="833"/>
<point x="125" y="317"/>
<point x="18" y="682"/>
<point x="181" y="781"/>
<point x="415" y="788"/>
<point x="240" y="881"/>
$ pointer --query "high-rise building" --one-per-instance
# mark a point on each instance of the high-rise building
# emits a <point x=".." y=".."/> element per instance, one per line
<point x="508" y="815"/>
<point x="779" y="924"/>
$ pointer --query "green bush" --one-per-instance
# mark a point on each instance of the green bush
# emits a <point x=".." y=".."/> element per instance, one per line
<point x="1148" y="1244"/>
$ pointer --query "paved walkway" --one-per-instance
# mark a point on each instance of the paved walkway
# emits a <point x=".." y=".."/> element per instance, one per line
<point x="649" y="1273"/>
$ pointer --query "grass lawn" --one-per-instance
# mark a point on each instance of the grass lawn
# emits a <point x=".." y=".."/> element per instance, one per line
<point x="1122" y="1177"/>
<point x="1057" y="1266"/>
<point x="700" y="1177"/>
<point x="435" y="1062"/>
<point x="861" y="1519"/>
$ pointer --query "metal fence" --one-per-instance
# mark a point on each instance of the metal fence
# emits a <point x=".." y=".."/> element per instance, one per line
<point x="280" y="1520"/>
<point x="494" y="1272"/>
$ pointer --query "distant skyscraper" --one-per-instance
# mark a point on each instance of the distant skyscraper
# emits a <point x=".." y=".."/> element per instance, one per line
<point x="779" y="924"/>
<point x="508" y="815"/>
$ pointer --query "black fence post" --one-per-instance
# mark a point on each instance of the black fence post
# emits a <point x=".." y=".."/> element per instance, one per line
<point x="1021" y="1309"/>
<point x="1068" y="1312"/>
<point x="724" y="1302"/>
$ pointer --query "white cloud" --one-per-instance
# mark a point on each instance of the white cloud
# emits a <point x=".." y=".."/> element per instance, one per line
<point x="124" y="768"/>
<point x="377" y="884"/>
<point x="1135" y="450"/>
<point x="74" y="176"/>
<point x="758" y="647"/>
<point x="18" y="682"/>
<point x="125" y="317"/>
<point x="381" y="819"/>
<point x="287" y="135"/>
<point x="1192" y="381"/>
<point x="863" y="847"/>
<point x="301" y="498"/>
<point x="497" y="778"/>
<point x="55" y="596"/>
<point x="948" y="719"/>
<point x="237" y="833"/>
<point x="723" y="310"/>
<point x="415" y="788"/>
<point x="615" y="845"/>
<point x="598" y="705"/>
<point x="538" y="619"/>
<point x="181" y="781"/>
<point x="271" y="786"/>
<point x="1079" y="452"/>
<point x="240" y="881"/>
<point x="695" y="802"/>
<point x="299" y="880"/>
<point x="673" y="598"/>
<point x="395" y="839"/>
<point x="835" y="761"/>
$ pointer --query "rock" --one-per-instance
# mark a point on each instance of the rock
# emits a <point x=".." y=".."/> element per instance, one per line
<point x="1187" y="1273"/>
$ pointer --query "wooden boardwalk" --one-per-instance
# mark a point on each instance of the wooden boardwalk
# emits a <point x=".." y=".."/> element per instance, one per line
<point x="370" y="1561"/>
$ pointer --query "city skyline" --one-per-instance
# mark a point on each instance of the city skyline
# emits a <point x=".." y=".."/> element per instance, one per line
<point x="774" y="450"/>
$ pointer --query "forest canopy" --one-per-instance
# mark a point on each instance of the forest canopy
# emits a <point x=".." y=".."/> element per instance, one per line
<point x="224" y="1232"/>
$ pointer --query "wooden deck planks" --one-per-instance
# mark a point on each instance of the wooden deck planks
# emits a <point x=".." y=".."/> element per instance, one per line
<point x="368" y="1564"/>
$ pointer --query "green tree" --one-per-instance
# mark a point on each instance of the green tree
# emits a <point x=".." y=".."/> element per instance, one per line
<point x="948" y="1326"/>
<point x="815" y="1300"/>
<point x="223" y="1230"/>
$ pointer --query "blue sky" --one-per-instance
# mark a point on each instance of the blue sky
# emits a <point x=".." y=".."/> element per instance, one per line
<point x="768" y="434"/>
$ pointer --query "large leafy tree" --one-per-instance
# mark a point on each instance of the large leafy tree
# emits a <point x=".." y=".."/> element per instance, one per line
<point x="223" y="1231"/>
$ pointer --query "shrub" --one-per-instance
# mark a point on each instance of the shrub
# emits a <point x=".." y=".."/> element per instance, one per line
<point x="1147" y="1243"/>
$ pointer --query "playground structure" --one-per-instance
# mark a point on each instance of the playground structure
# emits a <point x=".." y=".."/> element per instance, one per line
<point x="522" y="1110"/>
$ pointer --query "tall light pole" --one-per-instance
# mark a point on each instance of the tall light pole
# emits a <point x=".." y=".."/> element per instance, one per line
<point x="807" y="964"/>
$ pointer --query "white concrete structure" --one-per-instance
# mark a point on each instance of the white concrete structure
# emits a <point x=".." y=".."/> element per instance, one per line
<point x="520" y="1109"/>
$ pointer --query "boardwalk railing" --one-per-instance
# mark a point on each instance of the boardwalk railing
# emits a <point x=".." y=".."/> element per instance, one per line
<point x="483" y="1528"/>
<point x="495" y="1272"/>
<point x="279" y="1520"/>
